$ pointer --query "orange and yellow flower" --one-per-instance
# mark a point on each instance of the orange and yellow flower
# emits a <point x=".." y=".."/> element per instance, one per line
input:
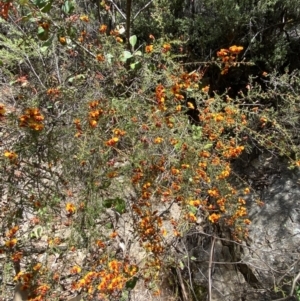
<point x="70" y="208"/>
<point x="149" y="48"/>
<point x="214" y="217"/>
<point x="12" y="156"/>
<point x="84" y="18"/>
<point x="2" y="109"/>
<point x="166" y="47"/>
<point x="103" y="29"/>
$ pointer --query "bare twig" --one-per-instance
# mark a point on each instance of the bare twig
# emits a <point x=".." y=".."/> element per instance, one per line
<point x="85" y="49"/>
<point x="184" y="292"/>
<point x="32" y="69"/>
<point x="128" y="22"/>
<point x="294" y="284"/>
<point x="56" y="64"/>
<point x="210" y="266"/>
<point x="118" y="9"/>
<point x="144" y="7"/>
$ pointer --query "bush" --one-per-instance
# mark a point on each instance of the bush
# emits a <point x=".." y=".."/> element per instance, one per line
<point x="100" y="160"/>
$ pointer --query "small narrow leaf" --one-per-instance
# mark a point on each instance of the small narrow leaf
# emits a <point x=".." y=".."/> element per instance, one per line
<point x="207" y="146"/>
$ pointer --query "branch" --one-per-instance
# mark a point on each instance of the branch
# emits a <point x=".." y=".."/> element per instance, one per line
<point x="118" y="9"/>
<point x="142" y="9"/>
<point x="210" y="266"/>
<point x="85" y="49"/>
<point x="184" y="292"/>
<point x="294" y="284"/>
<point x="128" y="22"/>
<point x="32" y="69"/>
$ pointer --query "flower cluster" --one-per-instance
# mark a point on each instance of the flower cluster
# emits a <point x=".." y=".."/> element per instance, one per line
<point x="160" y="96"/>
<point x="94" y="113"/>
<point x="83" y="36"/>
<point x="32" y="119"/>
<point x="77" y="123"/>
<point x="28" y="280"/>
<point x="110" y="280"/>
<point x="229" y="57"/>
<point x="5" y="7"/>
<point x="53" y="93"/>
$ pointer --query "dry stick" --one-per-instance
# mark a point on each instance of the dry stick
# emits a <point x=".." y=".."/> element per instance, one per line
<point x="118" y="9"/>
<point x="184" y="293"/>
<point x="56" y="64"/>
<point x="144" y="7"/>
<point x="294" y="284"/>
<point x="288" y="298"/>
<point x="32" y="69"/>
<point x="128" y="22"/>
<point x="210" y="266"/>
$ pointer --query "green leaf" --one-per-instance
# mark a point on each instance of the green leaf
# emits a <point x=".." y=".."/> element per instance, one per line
<point x="208" y="146"/>
<point x="118" y="204"/>
<point x="133" y="40"/>
<point x="152" y="67"/>
<point x="41" y="30"/>
<point x="47" y="7"/>
<point x="127" y="55"/>
<point x="181" y="265"/>
<point x="43" y="35"/>
<point x="36" y="232"/>
<point x="135" y="65"/>
<point x="193" y="209"/>
<point x="130" y="284"/>
<point x="76" y="77"/>
<point x="68" y="7"/>
<point x="139" y="53"/>
<point x="46" y="45"/>
<point x="109" y="226"/>
<point x="40" y="3"/>
<point x="109" y="57"/>
<point x="108" y="203"/>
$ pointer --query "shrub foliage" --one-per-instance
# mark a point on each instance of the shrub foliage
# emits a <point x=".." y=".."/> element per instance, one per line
<point x="112" y="146"/>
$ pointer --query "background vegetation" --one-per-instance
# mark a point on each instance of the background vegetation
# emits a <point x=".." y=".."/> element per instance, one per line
<point x="120" y="126"/>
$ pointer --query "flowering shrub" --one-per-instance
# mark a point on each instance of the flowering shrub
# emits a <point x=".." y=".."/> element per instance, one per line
<point x="99" y="150"/>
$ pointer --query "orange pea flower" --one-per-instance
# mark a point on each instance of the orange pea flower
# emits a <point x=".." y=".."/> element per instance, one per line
<point x="84" y="18"/>
<point x="149" y="48"/>
<point x="103" y="28"/>
<point x="214" y="217"/>
<point x="2" y="109"/>
<point x="70" y="208"/>
<point x="166" y="47"/>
